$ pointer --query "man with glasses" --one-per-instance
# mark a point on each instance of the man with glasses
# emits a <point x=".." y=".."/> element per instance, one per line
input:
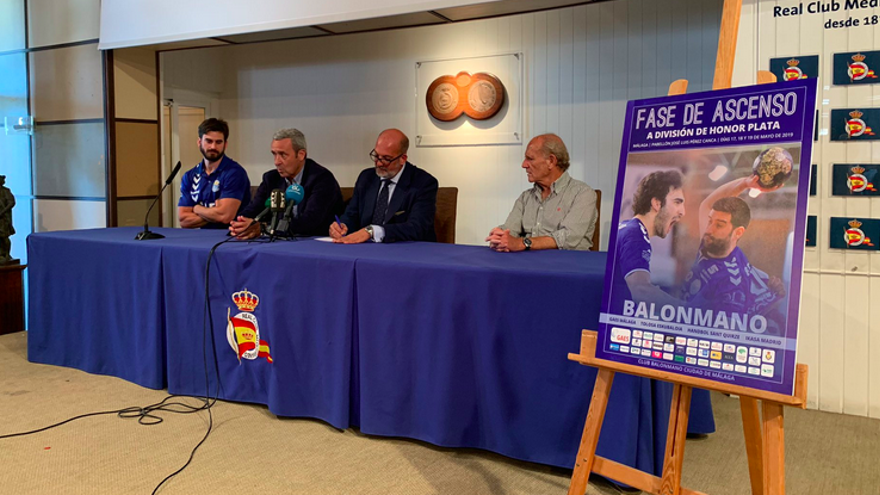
<point x="393" y="201"/>
<point x="322" y="199"/>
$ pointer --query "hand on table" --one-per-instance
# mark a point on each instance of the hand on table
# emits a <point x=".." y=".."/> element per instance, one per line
<point x="338" y="230"/>
<point x="501" y="241"/>
<point x="354" y="238"/>
<point x="244" y="228"/>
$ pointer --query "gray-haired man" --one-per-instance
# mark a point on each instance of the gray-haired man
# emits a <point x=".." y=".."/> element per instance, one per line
<point x="322" y="198"/>
<point x="558" y="212"/>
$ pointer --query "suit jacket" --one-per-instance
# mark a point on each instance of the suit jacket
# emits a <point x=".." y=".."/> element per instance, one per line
<point x="322" y="199"/>
<point x="410" y="211"/>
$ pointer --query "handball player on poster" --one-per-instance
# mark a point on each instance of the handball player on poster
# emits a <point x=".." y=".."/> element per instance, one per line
<point x="704" y="268"/>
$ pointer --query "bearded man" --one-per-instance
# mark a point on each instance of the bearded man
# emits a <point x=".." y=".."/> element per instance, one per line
<point x="213" y="192"/>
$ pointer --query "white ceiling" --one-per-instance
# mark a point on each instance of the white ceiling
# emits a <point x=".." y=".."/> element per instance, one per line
<point x="442" y="16"/>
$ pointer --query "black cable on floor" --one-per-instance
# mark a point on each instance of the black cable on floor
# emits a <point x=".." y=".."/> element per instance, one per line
<point x="147" y="415"/>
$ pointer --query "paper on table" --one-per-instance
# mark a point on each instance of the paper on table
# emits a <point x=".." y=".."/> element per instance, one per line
<point x="323" y="239"/>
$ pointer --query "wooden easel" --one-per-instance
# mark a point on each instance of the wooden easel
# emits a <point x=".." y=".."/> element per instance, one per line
<point x="764" y="436"/>
<point x="765" y="446"/>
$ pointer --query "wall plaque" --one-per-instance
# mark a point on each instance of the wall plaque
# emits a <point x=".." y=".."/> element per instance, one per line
<point x="469" y="101"/>
<point x="478" y="96"/>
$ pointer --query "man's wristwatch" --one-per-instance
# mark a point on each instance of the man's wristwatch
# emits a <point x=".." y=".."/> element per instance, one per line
<point x="369" y="229"/>
<point x="527" y="242"/>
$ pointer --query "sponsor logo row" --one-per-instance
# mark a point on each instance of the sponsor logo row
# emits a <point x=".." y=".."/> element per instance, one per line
<point x="695" y="352"/>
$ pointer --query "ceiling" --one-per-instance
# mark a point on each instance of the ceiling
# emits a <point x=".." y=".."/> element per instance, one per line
<point x="442" y="16"/>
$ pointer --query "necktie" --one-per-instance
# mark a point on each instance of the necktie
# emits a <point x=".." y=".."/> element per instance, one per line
<point x="381" y="203"/>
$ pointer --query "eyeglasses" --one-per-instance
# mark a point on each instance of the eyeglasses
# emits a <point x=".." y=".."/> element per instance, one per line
<point x="384" y="159"/>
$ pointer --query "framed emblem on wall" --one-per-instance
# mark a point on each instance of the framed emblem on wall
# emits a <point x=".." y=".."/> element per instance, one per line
<point x="795" y="68"/>
<point x="854" y="124"/>
<point x="856" y="68"/>
<point x="469" y="101"/>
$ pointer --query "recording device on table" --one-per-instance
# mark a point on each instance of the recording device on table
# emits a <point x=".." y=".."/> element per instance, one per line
<point x="146" y="235"/>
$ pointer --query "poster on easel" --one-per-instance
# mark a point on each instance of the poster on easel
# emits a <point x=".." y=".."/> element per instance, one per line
<point x="704" y="270"/>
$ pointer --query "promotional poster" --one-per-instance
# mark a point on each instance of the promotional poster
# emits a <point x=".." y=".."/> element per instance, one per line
<point x="704" y="269"/>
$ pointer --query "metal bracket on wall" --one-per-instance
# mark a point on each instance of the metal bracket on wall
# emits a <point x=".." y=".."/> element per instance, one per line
<point x="18" y="125"/>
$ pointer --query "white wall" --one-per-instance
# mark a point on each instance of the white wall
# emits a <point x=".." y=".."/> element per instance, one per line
<point x="839" y="326"/>
<point x="581" y="66"/>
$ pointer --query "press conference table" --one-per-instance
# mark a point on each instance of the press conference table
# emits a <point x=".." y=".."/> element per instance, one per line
<point x="453" y="345"/>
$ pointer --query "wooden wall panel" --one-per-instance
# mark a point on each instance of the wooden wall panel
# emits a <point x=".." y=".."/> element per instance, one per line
<point x="67" y="84"/>
<point x="55" y="22"/>
<point x="137" y="159"/>
<point x="135" y="84"/>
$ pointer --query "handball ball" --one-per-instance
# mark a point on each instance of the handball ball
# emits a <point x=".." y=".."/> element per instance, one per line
<point x="773" y="167"/>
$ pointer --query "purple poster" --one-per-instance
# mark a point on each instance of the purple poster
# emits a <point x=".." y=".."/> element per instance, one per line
<point x="704" y="268"/>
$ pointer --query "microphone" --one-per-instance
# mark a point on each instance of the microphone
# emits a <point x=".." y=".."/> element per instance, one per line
<point x="263" y="213"/>
<point x="276" y="200"/>
<point x="146" y="235"/>
<point x="294" y="196"/>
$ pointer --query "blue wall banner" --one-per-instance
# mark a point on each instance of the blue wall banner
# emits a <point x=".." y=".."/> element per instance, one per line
<point x="853" y="179"/>
<point x="813" y="180"/>
<point x="856" y="68"/>
<point x="704" y="272"/>
<point x="811" y="231"/>
<point x="862" y="234"/>
<point x="795" y="68"/>
<point x="855" y="124"/>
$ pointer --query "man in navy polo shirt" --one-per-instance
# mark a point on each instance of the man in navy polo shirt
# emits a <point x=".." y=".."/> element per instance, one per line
<point x="213" y="192"/>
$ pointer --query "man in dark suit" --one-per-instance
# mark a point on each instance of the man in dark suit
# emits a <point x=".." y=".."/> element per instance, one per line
<point x="393" y="201"/>
<point x="322" y="198"/>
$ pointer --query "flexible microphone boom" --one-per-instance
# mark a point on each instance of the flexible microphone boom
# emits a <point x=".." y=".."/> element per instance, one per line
<point x="268" y="205"/>
<point x="146" y="235"/>
<point x="294" y="196"/>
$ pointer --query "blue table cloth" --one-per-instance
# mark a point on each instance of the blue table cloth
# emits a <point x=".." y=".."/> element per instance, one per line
<point x="305" y="316"/>
<point x="454" y="345"/>
<point x="96" y="303"/>
<point x="465" y="347"/>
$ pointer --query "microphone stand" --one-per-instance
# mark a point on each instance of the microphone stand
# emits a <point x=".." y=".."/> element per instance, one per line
<point x="284" y="223"/>
<point x="146" y="234"/>
<point x="278" y="206"/>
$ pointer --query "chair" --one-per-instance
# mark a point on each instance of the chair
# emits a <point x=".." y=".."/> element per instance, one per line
<point x="347" y="193"/>
<point x="444" y="218"/>
<point x="595" y="246"/>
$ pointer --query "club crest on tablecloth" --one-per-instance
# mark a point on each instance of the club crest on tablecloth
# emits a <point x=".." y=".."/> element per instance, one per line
<point x="243" y="329"/>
